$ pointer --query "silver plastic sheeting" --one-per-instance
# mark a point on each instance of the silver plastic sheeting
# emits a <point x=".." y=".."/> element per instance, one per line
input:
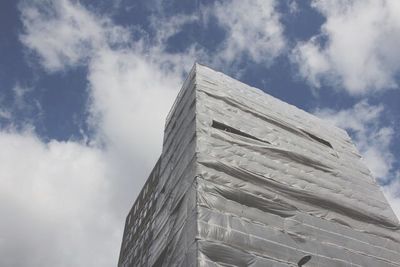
<point x="245" y="179"/>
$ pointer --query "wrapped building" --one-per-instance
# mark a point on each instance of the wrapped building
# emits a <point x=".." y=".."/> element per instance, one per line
<point x="245" y="179"/>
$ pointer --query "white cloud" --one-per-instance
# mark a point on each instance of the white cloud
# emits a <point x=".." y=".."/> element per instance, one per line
<point x="357" y="48"/>
<point x="294" y="7"/>
<point x="132" y="83"/>
<point x="253" y="28"/>
<point x="312" y="62"/>
<point x="20" y="102"/>
<point x="55" y="204"/>
<point x="82" y="193"/>
<point x="131" y="96"/>
<point x="373" y="141"/>
<point x="5" y="114"/>
<point x="20" y="95"/>
<point x="167" y="27"/>
<point x="65" y="34"/>
<point x="392" y="193"/>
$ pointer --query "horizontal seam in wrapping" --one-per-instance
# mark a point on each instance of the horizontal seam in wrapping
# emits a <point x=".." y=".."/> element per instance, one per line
<point x="273" y="242"/>
<point x="235" y="215"/>
<point x="283" y="245"/>
<point x="376" y="219"/>
<point x="340" y="178"/>
<point x="344" y="236"/>
<point x="260" y="114"/>
<point x="259" y="256"/>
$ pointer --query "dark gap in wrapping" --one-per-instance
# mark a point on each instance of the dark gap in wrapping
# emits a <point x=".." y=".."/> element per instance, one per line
<point x="318" y="139"/>
<point x="229" y="129"/>
<point x="270" y="120"/>
<point x="161" y="258"/>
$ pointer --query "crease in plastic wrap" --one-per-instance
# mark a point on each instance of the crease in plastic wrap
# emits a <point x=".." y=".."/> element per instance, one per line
<point x="245" y="179"/>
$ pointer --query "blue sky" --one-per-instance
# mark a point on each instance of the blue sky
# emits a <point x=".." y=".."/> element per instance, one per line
<point x="85" y="87"/>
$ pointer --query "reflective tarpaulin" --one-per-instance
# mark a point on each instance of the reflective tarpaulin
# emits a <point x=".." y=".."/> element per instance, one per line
<point x="245" y="179"/>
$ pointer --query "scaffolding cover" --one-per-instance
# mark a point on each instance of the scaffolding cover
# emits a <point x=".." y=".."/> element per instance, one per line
<point x="245" y="179"/>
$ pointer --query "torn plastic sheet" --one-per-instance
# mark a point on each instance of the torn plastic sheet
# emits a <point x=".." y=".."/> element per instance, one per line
<point x="245" y="179"/>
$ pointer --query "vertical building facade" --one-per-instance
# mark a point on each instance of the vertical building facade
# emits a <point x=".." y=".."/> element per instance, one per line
<point x="245" y="179"/>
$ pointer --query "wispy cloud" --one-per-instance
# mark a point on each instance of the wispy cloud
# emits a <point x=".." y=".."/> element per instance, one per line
<point x="253" y="29"/>
<point x="20" y="102"/>
<point x="63" y="34"/>
<point x="77" y="193"/>
<point x="5" y="114"/>
<point x="373" y="139"/>
<point x="357" y="48"/>
<point x="392" y="193"/>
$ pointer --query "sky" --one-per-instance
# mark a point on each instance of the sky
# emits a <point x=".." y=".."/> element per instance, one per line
<point x="85" y="87"/>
